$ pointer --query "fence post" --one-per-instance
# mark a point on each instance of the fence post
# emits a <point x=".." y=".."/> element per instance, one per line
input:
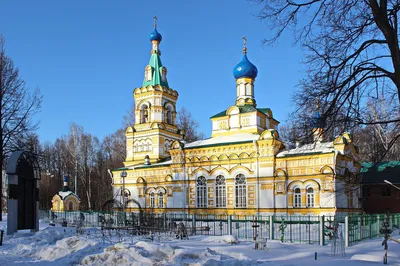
<point x="230" y="224"/>
<point x="321" y="230"/>
<point x="271" y="227"/>
<point x="194" y="223"/>
<point x="370" y="226"/>
<point x="346" y="230"/>
<point x="379" y="223"/>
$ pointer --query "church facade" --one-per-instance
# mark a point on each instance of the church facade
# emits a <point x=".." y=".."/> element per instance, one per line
<point x="243" y="168"/>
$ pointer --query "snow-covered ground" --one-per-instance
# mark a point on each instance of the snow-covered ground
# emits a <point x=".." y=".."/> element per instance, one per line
<point x="61" y="246"/>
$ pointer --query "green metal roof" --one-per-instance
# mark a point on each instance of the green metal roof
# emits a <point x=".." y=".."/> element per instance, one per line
<point x="244" y="109"/>
<point x="156" y="65"/>
<point x="120" y="169"/>
<point x="378" y="167"/>
<point x="304" y="154"/>
<point x="376" y="173"/>
<point x="152" y="165"/>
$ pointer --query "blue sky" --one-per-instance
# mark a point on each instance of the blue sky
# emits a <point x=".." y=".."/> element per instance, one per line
<point x="88" y="56"/>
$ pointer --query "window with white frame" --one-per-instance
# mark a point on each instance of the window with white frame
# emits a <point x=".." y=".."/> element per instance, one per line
<point x="240" y="191"/>
<point x="220" y="192"/>
<point x="310" y="197"/>
<point x="160" y="200"/>
<point x="297" y="198"/>
<point x="201" y="192"/>
<point x="152" y="200"/>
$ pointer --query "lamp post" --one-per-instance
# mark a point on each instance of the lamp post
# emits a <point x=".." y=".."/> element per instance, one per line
<point x="390" y="183"/>
<point x="123" y="175"/>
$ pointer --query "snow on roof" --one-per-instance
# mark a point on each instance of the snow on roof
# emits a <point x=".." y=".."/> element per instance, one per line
<point x="65" y="194"/>
<point x="241" y="137"/>
<point x="325" y="147"/>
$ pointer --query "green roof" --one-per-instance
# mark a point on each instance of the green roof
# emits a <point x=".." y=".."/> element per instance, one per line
<point x="244" y="109"/>
<point x="156" y="65"/>
<point x="378" y="167"/>
<point x="377" y="173"/>
<point x="120" y="169"/>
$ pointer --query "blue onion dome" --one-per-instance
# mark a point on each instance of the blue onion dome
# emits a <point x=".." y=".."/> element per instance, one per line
<point x="245" y="69"/>
<point x="317" y="121"/>
<point x="155" y="36"/>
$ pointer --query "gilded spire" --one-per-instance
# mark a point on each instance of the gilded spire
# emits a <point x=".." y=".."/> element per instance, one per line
<point x="244" y="45"/>
<point x="155" y="21"/>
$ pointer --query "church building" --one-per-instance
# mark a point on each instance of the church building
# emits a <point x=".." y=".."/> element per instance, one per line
<point x="243" y="168"/>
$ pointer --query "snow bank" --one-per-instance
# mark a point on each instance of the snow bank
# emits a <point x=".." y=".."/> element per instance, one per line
<point x="27" y="244"/>
<point x="120" y="254"/>
<point x="229" y="239"/>
<point x="367" y="257"/>
<point x="64" y="247"/>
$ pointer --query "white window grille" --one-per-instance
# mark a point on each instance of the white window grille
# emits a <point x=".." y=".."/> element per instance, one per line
<point x="220" y="192"/>
<point x="201" y="192"/>
<point x="152" y="200"/>
<point x="240" y="191"/>
<point x="310" y="197"/>
<point x="297" y="198"/>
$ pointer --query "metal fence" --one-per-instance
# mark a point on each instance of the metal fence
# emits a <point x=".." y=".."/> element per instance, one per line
<point x="369" y="226"/>
<point x="288" y="228"/>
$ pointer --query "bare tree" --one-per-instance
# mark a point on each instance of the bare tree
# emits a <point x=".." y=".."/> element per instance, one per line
<point x="352" y="55"/>
<point x="128" y="119"/>
<point x="17" y="107"/>
<point x="189" y="125"/>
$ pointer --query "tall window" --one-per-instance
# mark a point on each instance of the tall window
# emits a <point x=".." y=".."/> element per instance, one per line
<point x="152" y="200"/>
<point x="240" y="191"/>
<point x="71" y="208"/>
<point x="201" y="192"/>
<point x="220" y="192"/>
<point x="145" y="114"/>
<point x="297" y="198"/>
<point x="148" y="73"/>
<point x="310" y="197"/>
<point x="160" y="200"/>
<point x="169" y="117"/>
<point x="168" y="114"/>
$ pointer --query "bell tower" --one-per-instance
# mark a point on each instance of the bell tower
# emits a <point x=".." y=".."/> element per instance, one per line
<point x="155" y="112"/>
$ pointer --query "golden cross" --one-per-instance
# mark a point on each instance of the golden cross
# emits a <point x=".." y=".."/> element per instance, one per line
<point x="244" y="41"/>
<point x="155" y="21"/>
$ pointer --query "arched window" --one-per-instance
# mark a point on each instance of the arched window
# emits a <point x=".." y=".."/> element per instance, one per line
<point x="152" y="200"/>
<point x="169" y="117"/>
<point x="220" y="192"/>
<point x="167" y="146"/>
<point x="168" y="114"/>
<point x="160" y="200"/>
<point x="297" y="198"/>
<point x="240" y="191"/>
<point x="164" y="74"/>
<point x="148" y="73"/>
<point x="70" y="206"/>
<point x="201" y="192"/>
<point x="310" y="197"/>
<point x="148" y="145"/>
<point x="144" y="114"/>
